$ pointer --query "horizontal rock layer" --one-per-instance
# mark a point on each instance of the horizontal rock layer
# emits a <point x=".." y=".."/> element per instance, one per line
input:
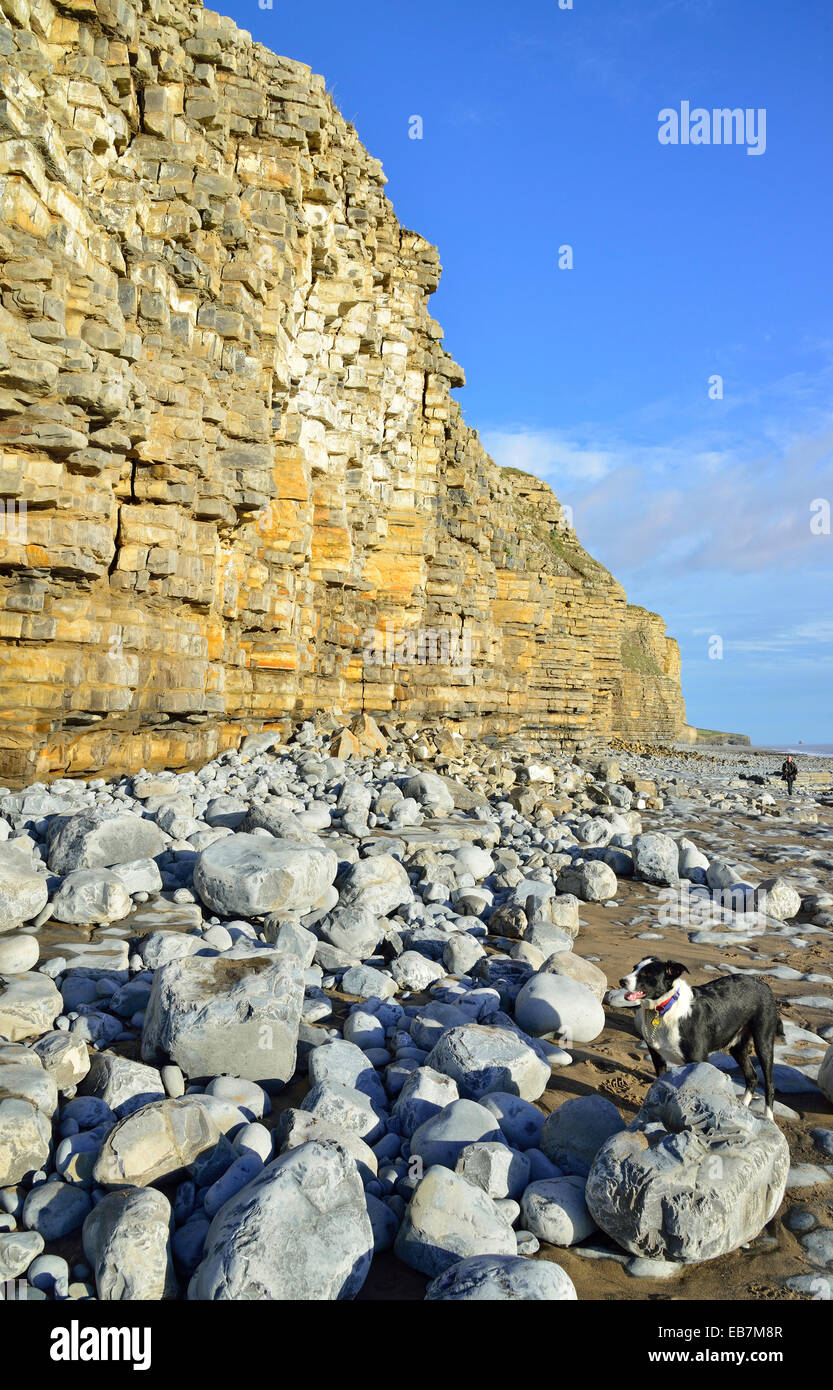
<point x="228" y="451"/>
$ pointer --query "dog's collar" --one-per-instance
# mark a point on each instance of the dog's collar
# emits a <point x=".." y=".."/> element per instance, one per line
<point x="663" y="1008"/>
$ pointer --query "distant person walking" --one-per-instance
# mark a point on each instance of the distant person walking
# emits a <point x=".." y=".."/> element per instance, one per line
<point x="789" y="772"/>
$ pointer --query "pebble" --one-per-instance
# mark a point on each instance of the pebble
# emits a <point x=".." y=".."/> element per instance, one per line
<point x="807" y="1175"/>
<point x="800" y="1221"/>
<point x="640" y="1268"/>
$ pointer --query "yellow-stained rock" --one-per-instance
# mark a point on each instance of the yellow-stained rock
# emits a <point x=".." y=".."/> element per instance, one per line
<point x="235" y="487"/>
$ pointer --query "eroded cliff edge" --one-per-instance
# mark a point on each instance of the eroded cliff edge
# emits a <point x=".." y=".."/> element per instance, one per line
<point x="226" y="408"/>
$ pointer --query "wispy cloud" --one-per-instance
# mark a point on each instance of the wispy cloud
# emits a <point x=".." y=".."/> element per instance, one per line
<point x="548" y="454"/>
<point x="730" y="496"/>
<point x="815" y="634"/>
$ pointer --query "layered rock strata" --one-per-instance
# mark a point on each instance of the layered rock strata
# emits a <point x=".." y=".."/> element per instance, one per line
<point x="236" y="487"/>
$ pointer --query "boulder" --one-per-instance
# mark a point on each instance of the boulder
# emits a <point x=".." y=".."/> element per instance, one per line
<point x="777" y="898"/>
<point x="443" y="1137"/>
<point x="55" y="1209"/>
<point x="415" y="972"/>
<point x="19" y="953"/>
<point x="692" y="863"/>
<point x="341" y="1061"/>
<point x="430" y="792"/>
<point x="462" y="953"/>
<point x="355" y="930"/>
<point x="139" y="876"/>
<point x="558" y="1006"/>
<point x="250" y="875"/>
<point x="29" y="1005"/>
<point x="25" y="1137"/>
<point x="98" y="838"/>
<point x="161" y="947"/>
<point x="555" y="1210"/>
<point x="379" y="884"/>
<point x="498" y="1170"/>
<point x="23" y="890"/>
<point x="365" y="982"/>
<point x="297" y="1127"/>
<point x="545" y="937"/>
<point x="159" y="1140"/>
<point x="721" y="874"/>
<point x="27" y="1080"/>
<point x="695" y="1175"/>
<point x="122" y="1084"/>
<point x="345" y="1108"/>
<point x="501" y="1278"/>
<point x="127" y="1242"/>
<point x="283" y="824"/>
<point x="448" y="1220"/>
<point x="90" y="897"/>
<point x="509" y="920"/>
<point x="425" y="1093"/>
<point x="584" y="972"/>
<point x="65" y="1056"/>
<point x="592" y="882"/>
<point x="520" y="1122"/>
<point x="483" y="1058"/>
<point x="364" y="1029"/>
<point x="656" y="859"/>
<point x="17" y="1251"/>
<point x="299" y="1231"/>
<point x="573" y="1134"/>
<point x="563" y="911"/>
<point x="210" y="1013"/>
<point x="291" y="937"/>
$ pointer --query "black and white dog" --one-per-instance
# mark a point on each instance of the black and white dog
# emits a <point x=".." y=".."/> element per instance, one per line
<point x="681" y="1024"/>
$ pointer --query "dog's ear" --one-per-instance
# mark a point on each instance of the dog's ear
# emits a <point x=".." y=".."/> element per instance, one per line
<point x="675" y="969"/>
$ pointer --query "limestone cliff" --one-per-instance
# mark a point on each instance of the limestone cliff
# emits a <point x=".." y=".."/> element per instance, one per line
<point x="236" y="486"/>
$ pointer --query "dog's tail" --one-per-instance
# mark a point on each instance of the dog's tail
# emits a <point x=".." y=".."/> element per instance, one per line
<point x="779" y="1031"/>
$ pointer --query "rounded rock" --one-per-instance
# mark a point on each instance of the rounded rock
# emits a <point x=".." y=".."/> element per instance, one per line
<point x="502" y="1278"/>
<point x="556" y="1005"/>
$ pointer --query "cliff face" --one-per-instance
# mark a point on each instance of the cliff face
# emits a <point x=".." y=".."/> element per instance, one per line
<point x="225" y="406"/>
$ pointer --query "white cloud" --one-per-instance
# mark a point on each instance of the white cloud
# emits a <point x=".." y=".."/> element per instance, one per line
<point x="547" y="454"/>
<point x="711" y="500"/>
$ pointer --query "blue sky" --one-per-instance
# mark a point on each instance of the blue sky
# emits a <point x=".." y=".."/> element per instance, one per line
<point x="540" y="130"/>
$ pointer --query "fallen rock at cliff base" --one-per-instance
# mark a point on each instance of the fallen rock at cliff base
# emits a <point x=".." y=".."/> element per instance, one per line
<point x="25" y="1139"/>
<point x="300" y="1230"/>
<point x="443" y="1137"/>
<point x="592" y="882"/>
<point x="157" y="1141"/>
<point x="205" y="1011"/>
<point x="656" y="859"/>
<point x="482" y="1059"/>
<point x="447" y="1220"/>
<point x="555" y="1210"/>
<point x="29" y="1005"/>
<point x="501" y="1278"/>
<point x="558" y="1006"/>
<point x="23" y="891"/>
<point x="127" y="1242"/>
<point x="695" y="1175"/>
<point x="19" y="953"/>
<point x="91" y="896"/>
<point x="572" y="1135"/>
<point x="250" y="875"/>
<point x="97" y="839"/>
